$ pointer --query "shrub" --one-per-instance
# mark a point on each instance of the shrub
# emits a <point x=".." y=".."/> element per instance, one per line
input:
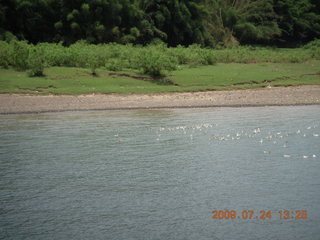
<point x="153" y="60"/>
<point x="92" y="62"/>
<point x="19" y="55"/>
<point x="181" y="54"/>
<point x="7" y="36"/>
<point x="200" y="56"/>
<point x="314" y="47"/>
<point x="55" y="54"/>
<point x="36" y="62"/>
<point x="205" y="57"/>
<point x="313" y="44"/>
<point x="114" y="64"/>
<point x="154" y="63"/>
<point x="316" y="54"/>
<point x="4" y="54"/>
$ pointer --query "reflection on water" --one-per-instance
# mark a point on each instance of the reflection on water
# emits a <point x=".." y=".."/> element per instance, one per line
<point x="158" y="174"/>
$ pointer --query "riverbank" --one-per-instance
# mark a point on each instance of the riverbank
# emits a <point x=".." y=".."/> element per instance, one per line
<point x="297" y="95"/>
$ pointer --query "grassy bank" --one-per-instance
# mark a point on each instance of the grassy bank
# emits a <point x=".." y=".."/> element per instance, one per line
<point x="112" y="68"/>
<point x="222" y="76"/>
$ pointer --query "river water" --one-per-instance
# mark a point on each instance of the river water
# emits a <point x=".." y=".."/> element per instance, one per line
<point x="159" y="174"/>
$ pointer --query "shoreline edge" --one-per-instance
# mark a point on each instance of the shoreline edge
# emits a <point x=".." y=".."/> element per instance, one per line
<point x="274" y="96"/>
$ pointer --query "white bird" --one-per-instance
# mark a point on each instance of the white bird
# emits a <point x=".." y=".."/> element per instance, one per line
<point x="286" y="155"/>
<point x="305" y="156"/>
<point x="314" y="155"/>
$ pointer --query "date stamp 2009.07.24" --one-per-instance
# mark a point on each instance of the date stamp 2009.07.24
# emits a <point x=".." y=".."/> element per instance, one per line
<point x="261" y="214"/>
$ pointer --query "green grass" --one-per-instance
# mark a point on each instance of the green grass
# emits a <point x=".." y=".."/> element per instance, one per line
<point x="69" y="80"/>
<point x="233" y="75"/>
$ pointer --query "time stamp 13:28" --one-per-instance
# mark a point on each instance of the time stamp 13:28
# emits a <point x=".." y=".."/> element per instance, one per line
<point x="262" y="214"/>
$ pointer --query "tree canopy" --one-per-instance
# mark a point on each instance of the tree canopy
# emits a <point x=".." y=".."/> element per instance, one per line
<point x="185" y="22"/>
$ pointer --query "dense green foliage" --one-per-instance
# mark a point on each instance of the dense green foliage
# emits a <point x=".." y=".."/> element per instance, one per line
<point x="298" y="19"/>
<point x="244" y="21"/>
<point x="184" y="22"/>
<point x="155" y="60"/>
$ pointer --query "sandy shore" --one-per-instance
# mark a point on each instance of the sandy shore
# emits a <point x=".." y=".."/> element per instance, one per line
<point x="300" y="95"/>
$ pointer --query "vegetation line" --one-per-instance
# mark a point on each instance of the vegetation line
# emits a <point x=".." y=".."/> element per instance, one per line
<point x="115" y="68"/>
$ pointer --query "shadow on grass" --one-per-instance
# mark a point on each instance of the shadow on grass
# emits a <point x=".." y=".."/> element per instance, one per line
<point x="160" y="80"/>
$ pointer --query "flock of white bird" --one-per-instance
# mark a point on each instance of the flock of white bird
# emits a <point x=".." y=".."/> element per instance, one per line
<point x="278" y="137"/>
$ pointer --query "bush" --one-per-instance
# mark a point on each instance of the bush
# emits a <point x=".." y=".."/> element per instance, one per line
<point x="55" y="54"/>
<point x="92" y="62"/>
<point x="181" y="54"/>
<point x="313" y="44"/>
<point x="114" y="64"/>
<point x="36" y="62"/>
<point x="316" y="54"/>
<point x="314" y="47"/>
<point x="154" y="63"/>
<point x="4" y="54"/>
<point x="200" y="56"/>
<point x="7" y="36"/>
<point x="153" y="60"/>
<point x="19" y="55"/>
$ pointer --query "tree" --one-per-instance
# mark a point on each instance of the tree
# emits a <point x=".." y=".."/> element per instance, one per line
<point x="299" y="20"/>
<point x="31" y="20"/>
<point x="244" y="21"/>
<point x="176" y="21"/>
<point x="205" y="22"/>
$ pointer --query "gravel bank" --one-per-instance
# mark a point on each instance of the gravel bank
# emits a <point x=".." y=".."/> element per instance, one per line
<point x="298" y="95"/>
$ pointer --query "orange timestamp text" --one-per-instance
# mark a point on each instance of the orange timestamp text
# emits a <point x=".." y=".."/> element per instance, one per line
<point x="262" y="214"/>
